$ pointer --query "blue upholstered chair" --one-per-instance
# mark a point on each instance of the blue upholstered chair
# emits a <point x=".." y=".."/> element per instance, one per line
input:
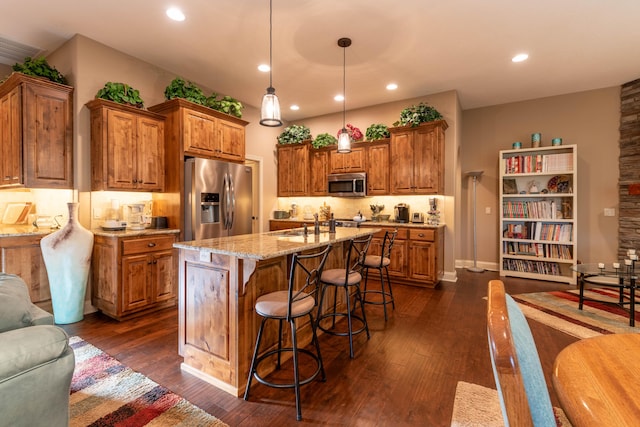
<point x="524" y="397"/>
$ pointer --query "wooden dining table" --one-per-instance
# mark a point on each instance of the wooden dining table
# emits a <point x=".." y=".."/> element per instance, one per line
<point x="597" y="381"/>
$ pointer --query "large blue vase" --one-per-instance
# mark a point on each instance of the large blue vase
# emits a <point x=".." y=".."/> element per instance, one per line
<point x="67" y="257"/>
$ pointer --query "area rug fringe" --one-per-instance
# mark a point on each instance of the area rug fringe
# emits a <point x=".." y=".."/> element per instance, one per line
<point x="478" y="406"/>
<point x="559" y="310"/>
<point x="104" y="392"/>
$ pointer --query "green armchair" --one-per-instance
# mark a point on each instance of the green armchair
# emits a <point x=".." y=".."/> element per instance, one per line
<point x="36" y="362"/>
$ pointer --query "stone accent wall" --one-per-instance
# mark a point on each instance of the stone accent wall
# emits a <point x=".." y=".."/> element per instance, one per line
<point x="629" y="182"/>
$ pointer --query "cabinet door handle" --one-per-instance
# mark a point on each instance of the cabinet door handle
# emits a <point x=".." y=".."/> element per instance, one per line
<point x="151" y="245"/>
<point x="155" y="261"/>
<point x="420" y="234"/>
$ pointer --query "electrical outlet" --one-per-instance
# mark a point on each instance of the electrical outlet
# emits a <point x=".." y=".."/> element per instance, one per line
<point x="487" y="210"/>
<point x="97" y="213"/>
<point x="609" y="212"/>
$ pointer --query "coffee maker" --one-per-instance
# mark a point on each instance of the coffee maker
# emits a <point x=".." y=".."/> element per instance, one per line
<point x="402" y="212"/>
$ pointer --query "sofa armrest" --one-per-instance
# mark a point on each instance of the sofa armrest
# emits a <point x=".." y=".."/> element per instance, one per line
<point x="40" y="316"/>
<point x="28" y="348"/>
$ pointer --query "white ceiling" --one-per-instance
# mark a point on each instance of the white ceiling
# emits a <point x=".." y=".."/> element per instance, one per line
<point x="425" y="46"/>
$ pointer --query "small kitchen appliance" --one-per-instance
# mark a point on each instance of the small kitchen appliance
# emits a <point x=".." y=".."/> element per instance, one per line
<point x="136" y="220"/>
<point x="417" y="218"/>
<point x="402" y="212"/>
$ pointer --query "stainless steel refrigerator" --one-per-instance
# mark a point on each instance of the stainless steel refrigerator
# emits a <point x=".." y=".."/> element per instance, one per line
<point x="218" y="199"/>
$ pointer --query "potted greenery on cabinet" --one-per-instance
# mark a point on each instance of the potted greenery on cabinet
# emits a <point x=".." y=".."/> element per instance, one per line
<point x="121" y="93"/>
<point x="414" y="115"/>
<point x="179" y="88"/>
<point x="294" y="134"/>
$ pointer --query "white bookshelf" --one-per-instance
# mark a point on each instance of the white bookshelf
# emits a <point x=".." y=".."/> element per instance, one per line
<point x="538" y="213"/>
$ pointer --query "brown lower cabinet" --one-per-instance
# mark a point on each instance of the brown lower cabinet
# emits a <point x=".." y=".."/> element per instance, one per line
<point x="21" y="255"/>
<point x="133" y="275"/>
<point x="417" y="257"/>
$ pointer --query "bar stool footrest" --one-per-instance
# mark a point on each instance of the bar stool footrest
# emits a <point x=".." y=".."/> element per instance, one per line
<point x="338" y="333"/>
<point x="387" y="294"/>
<point x="303" y="381"/>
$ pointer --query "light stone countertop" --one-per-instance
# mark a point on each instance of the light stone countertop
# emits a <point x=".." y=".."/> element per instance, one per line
<point x="133" y="233"/>
<point x="10" y="230"/>
<point x="371" y="223"/>
<point x="273" y="244"/>
<point x="7" y="230"/>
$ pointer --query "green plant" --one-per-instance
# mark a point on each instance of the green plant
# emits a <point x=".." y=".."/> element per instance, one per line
<point x="323" y="140"/>
<point x="377" y="131"/>
<point x="121" y="93"/>
<point x="227" y="105"/>
<point x="179" y="88"/>
<point x="416" y="114"/>
<point x="294" y="134"/>
<point x="39" y="67"/>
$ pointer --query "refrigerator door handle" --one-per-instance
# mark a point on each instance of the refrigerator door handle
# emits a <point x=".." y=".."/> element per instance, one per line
<point x="225" y="201"/>
<point x="232" y="206"/>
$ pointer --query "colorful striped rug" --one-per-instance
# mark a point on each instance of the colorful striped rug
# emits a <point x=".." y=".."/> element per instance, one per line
<point x="104" y="393"/>
<point x="559" y="310"/>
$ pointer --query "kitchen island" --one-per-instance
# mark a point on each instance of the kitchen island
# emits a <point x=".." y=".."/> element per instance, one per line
<point x="219" y="282"/>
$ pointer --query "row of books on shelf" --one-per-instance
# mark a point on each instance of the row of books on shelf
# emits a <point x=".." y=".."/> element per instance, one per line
<point x="539" y="231"/>
<point x="545" y="250"/>
<point x="529" y="266"/>
<point x="538" y="209"/>
<point x="542" y="163"/>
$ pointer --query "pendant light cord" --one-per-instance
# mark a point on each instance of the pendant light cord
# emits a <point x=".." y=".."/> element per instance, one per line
<point x="344" y="85"/>
<point x="270" y="41"/>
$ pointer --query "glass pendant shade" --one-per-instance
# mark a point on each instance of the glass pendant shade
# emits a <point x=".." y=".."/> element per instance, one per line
<point x="344" y="142"/>
<point x="270" y="111"/>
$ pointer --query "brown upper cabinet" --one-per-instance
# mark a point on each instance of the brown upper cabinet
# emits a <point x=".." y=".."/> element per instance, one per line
<point x="293" y="169"/>
<point x="319" y="164"/>
<point x="127" y="147"/>
<point x="202" y="131"/>
<point x="378" y="168"/>
<point x="36" y="133"/>
<point x="355" y="161"/>
<point x="417" y="158"/>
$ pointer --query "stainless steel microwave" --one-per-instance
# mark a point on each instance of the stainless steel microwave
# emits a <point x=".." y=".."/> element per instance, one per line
<point x="347" y="184"/>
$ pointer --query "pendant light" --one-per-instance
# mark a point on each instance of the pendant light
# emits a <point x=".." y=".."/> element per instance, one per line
<point x="344" y="140"/>
<point x="270" y="111"/>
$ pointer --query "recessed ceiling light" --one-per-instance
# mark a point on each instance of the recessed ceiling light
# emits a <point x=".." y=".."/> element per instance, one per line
<point x="392" y="86"/>
<point x="339" y="98"/>
<point x="264" y="68"/>
<point x="175" y="14"/>
<point x="295" y="107"/>
<point x="520" y="57"/>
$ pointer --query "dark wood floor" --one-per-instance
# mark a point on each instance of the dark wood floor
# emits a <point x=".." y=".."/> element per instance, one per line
<point x="405" y="375"/>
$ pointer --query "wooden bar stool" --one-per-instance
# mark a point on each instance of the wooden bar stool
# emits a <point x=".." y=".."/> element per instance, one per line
<point x="288" y="305"/>
<point x="346" y="278"/>
<point x="380" y="262"/>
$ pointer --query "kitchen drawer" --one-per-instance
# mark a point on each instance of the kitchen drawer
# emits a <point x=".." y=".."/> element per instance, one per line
<point x="422" y="234"/>
<point x="147" y="244"/>
<point x="403" y="233"/>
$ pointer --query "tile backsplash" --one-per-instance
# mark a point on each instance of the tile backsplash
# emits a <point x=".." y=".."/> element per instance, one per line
<point x="345" y="208"/>
<point x="43" y="201"/>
